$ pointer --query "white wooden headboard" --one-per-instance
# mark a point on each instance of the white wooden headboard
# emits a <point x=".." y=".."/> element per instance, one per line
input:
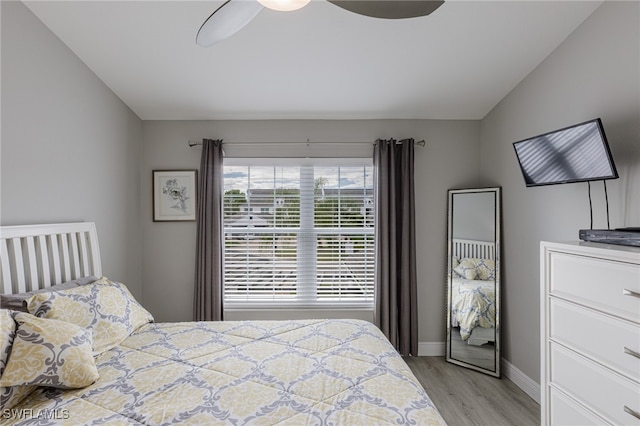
<point x="39" y="256"/>
<point x="473" y="248"/>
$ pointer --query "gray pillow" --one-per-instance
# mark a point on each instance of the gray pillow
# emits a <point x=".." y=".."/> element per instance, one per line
<point x="16" y="301"/>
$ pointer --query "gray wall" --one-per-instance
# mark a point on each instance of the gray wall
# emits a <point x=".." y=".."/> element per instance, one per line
<point x="70" y="147"/>
<point x="169" y="248"/>
<point x="474" y="216"/>
<point x="595" y="72"/>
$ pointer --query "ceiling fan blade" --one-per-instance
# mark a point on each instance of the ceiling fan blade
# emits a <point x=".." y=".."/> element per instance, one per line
<point x="227" y="20"/>
<point x="389" y="9"/>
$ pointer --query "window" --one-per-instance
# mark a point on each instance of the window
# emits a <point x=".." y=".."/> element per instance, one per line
<point x="298" y="234"/>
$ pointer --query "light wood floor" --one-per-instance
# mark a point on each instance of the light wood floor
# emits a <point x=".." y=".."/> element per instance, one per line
<point x="466" y="397"/>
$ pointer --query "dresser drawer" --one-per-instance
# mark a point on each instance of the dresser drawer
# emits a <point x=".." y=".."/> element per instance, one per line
<point x="605" y="392"/>
<point x="566" y="412"/>
<point x="596" y="335"/>
<point x="595" y="282"/>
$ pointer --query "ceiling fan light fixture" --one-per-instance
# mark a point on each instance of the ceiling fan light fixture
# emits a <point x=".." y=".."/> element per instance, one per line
<point x="284" y="5"/>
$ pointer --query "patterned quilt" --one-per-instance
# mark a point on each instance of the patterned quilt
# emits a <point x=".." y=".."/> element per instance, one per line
<point x="318" y="372"/>
<point x="473" y="305"/>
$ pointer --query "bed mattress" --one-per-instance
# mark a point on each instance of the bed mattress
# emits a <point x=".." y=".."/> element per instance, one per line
<point x="341" y="372"/>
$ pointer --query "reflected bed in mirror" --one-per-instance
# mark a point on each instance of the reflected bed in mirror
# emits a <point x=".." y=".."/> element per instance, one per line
<point x="473" y="279"/>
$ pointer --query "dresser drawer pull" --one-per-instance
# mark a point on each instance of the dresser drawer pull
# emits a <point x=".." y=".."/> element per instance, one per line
<point x="634" y="413"/>
<point x="631" y="352"/>
<point x="627" y="292"/>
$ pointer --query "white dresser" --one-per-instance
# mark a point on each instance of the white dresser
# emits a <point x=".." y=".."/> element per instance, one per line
<point x="590" y="334"/>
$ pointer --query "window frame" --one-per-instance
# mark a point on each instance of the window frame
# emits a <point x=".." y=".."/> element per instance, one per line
<point x="318" y="302"/>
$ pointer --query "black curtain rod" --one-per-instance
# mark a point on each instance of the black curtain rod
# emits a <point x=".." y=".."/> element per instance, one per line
<point x="194" y="143"/>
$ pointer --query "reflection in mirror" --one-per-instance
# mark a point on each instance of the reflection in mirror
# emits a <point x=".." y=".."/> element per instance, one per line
<point x="473" y="279"/>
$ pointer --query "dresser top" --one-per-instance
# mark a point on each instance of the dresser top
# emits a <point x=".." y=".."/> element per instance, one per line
<point x="587" y="248"/>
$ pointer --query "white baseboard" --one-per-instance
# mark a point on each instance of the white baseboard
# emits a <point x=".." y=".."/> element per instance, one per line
<point x="521" y="380"/>
<point x="431" y="349"/>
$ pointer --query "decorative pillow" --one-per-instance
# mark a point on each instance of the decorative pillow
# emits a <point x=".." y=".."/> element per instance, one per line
<point x="105" y="307"/>
<point x="12" y="395"/>
<point x="466" y="269"/>
<point x="455" y="261"/>
<point x="486" y="269"/>
<point x="49" y="352"/>
<point x="7" y="333"/>
<point x="17" y="302"/>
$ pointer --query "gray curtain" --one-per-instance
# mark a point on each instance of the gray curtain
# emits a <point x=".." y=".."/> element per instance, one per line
<point x="395" y="276"/>
<point x="209" y="286"/>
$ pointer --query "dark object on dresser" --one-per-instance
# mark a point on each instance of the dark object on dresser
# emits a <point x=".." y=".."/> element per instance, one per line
<point x="620" y="236"/>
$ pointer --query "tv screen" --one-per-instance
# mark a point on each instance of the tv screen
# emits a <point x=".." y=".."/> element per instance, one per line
<point x="577" y="153"/>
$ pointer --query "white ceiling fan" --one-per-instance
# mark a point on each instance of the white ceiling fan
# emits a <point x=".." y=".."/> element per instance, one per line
<point x="233" y="15"/>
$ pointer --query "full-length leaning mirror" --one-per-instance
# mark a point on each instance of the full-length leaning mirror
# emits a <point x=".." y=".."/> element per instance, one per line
<point x="473" y="279"/>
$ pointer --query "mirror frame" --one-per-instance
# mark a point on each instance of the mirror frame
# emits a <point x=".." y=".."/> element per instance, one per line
<point x="498" y="244"/>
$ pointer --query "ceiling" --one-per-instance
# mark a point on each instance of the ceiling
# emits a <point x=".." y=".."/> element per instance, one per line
<point x="320" y="62"/>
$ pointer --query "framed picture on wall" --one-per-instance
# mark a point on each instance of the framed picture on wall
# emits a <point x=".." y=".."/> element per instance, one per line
<point x="174" y="195"/>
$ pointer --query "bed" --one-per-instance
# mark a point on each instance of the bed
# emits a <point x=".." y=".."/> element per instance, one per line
<point x="89" y="353"/>
<point x="473" y="290"/>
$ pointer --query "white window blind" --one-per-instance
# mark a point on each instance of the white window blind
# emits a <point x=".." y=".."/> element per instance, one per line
<point x="299" y="234"/>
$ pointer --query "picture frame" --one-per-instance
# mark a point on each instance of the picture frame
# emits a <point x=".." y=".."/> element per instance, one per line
<point x="174" y="195"/>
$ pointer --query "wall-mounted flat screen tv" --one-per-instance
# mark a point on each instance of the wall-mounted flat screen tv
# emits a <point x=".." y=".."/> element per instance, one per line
<point x="577" y="153"/>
